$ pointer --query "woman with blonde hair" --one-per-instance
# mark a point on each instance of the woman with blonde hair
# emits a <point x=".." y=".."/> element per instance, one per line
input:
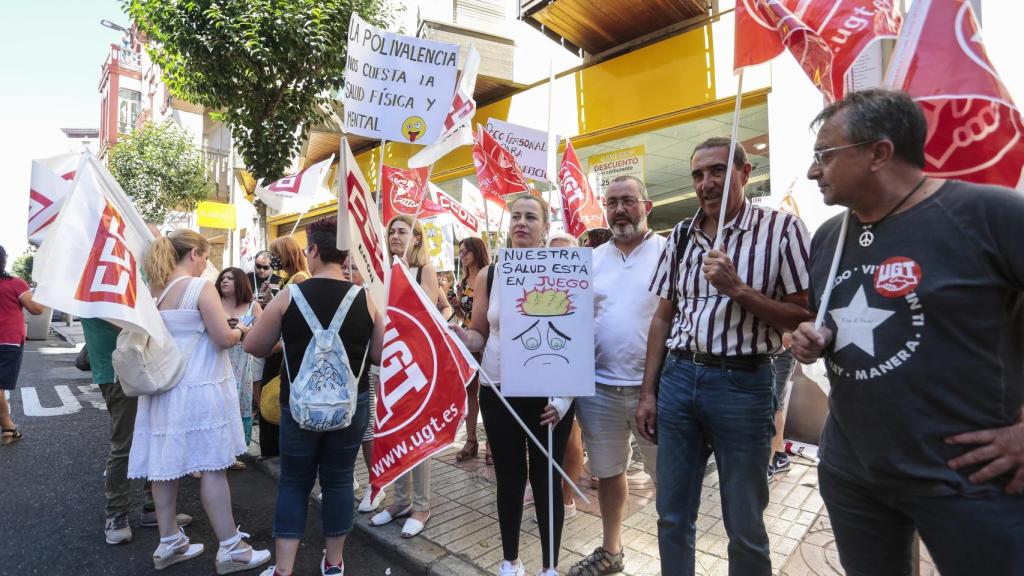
<point x="406" y="240"/>
<point x="195" y="426"/>
<point x="510" y="447"/>
<point x="287" y="257"/>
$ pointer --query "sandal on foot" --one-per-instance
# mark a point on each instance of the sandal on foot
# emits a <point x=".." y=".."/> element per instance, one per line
<point x="413" y="526"/>
<point x="384" y="517"/>
<point x="238" y="465"/>
<point x="10" y="435"/>
<point x="235" y="546"/>
<point x="469" y="450"/>
<point x="598" y="563"/>
<point x="174" y="549"/>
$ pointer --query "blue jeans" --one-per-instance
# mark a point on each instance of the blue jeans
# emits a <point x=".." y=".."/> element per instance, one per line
<point x="874" y="529"/>
<point x="332" y="455"/>
<point x="704" y="410"/>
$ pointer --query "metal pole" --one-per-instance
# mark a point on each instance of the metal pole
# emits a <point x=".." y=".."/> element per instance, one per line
<point x="728" y="173"/>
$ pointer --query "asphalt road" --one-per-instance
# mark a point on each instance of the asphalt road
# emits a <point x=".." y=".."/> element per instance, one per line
<point x="51" y="490"/>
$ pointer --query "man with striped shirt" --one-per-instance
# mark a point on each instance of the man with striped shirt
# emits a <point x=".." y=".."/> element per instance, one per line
<point x="726" y="298"/>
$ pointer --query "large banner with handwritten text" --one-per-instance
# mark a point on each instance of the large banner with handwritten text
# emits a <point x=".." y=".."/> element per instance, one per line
<point x="397" y="87"/>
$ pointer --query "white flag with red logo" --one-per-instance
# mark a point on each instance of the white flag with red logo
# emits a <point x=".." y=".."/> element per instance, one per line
<point x="424" y="370"/>
<point x="458" y="129"/>
<point x="579" y="204"/>
<point x="51" y="182"/>
<point x="298" y="192"/>
<point x="91" y="263"/>
<point x="461" y="213"/>
<point x="360" y="229"/>
<point x="403" y="191"/>
<point x="974" y="127"/>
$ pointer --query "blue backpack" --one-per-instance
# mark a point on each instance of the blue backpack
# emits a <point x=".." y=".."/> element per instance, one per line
<point x="324" y="393"/>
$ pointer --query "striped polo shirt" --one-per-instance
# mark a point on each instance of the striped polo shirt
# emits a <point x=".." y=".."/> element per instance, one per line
<point x="769" y="249"/>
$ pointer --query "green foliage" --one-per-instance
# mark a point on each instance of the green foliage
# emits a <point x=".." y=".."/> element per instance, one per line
<point x="161" y="170"/>
<point x="22" y="266"/>
<point x="266" y="66"/>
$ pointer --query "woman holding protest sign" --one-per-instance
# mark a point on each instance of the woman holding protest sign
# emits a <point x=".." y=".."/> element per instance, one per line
<point x="406" y="241"/>
<point x="510" y="445"/>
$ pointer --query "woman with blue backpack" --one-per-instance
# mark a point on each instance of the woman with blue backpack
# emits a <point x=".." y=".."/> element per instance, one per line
<point x="330" y="331"/>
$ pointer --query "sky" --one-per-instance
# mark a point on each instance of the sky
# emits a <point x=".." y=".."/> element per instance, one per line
<point x="51" y="53"/>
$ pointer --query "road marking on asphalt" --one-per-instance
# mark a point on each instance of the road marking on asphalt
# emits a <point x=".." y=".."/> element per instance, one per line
<point x="92" y="391"/>
<point x="31" y="406"/>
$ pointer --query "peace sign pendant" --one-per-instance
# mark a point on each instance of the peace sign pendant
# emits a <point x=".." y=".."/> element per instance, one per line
<point x="866" y="238"/>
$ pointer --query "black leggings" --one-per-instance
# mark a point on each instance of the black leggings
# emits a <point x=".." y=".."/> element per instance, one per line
<point x="509" y="448"/>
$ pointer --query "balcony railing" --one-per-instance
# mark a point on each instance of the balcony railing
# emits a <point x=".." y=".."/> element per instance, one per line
<point x="128" y="58"/>
<point x="217" y="168"/>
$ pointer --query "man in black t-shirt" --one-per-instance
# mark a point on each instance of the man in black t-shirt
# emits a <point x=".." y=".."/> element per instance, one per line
<point x="922" y="340"/>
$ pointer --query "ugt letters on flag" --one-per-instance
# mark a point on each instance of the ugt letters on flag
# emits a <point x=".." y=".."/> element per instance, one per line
<point x="90" y="264"/>
<point x="424" y="370"/>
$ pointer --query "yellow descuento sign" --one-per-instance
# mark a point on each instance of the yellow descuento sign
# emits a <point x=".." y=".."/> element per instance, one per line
<point x="216" y="215"/>
<point x="610" y="165"/>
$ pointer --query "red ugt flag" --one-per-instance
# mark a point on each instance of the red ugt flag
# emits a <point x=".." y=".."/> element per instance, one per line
<point x="423" y="375"/>
<point x="579" y="205"/>
<point x="825" y="37"/>
<point x="497" y="171"/>
<point x="974" y="128"/>
<point x="404" y="191"/>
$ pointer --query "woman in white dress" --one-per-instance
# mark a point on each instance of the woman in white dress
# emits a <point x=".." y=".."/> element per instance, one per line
<point x="196" y="426"/>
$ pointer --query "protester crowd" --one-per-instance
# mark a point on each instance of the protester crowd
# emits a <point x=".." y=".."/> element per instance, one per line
<point x="692" y="335"/>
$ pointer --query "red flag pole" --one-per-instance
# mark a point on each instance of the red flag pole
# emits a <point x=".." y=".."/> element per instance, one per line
<point x="728" y="173"/>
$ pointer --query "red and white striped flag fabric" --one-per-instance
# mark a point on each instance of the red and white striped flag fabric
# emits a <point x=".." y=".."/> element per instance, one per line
<point x="974" y="127"/>
<point x="298" y="192"/>
<point x="424" y="370"/>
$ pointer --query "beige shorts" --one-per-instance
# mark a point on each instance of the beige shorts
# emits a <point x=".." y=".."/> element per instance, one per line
<point x="607" y="419"/>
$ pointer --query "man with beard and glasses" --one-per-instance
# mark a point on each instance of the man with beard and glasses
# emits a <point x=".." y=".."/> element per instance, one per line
<point x="726" y="298"/>
<point x="622" y="313"/>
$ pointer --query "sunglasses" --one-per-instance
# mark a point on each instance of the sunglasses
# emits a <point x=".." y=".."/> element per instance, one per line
<point x="260" y="267"/>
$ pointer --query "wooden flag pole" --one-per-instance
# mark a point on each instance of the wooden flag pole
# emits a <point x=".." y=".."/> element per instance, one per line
<point x="724" y="203"/>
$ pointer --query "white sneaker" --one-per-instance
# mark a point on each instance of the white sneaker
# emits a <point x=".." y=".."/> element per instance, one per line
<point x="509" y="569"/>
<point x="548" y="572"/>
<point x="226" y="562"/>
<point x="270" y="571"/>
<point x="365" y="505"/>
<point x="570" y="510"/>
<point x="355" y="484"/>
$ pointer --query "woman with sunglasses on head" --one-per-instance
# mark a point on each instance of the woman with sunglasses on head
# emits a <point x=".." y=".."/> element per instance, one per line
<point x="511" y="448"/>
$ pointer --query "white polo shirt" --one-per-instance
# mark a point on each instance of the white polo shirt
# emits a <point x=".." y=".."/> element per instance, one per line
<point x="623" y="307"/>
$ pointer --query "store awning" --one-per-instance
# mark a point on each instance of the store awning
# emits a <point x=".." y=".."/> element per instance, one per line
<point x="599" y="26"/>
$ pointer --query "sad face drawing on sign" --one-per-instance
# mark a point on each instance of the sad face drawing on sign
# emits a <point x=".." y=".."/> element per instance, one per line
<point x="543" y="339"/>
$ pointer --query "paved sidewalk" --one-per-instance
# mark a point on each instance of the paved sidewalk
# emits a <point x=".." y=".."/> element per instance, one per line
<point x="461" y="537"/>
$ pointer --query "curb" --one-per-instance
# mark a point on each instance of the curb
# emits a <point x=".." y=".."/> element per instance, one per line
<point x="418" y="555"/>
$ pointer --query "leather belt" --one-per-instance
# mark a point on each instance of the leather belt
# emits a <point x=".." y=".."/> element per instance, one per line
<point x="748" y="363"/>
